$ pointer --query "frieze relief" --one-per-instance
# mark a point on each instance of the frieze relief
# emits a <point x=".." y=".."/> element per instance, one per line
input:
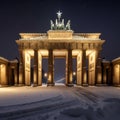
<point x="59" y="45"/>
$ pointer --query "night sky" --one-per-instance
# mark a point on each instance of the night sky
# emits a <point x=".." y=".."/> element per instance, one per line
<point x="35" y="15"/>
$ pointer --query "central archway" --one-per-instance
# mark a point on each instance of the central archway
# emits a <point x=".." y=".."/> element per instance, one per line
<point x="59" y="70"/>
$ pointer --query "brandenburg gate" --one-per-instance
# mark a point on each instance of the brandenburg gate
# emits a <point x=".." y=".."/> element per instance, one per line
<point x="60" y="41"/>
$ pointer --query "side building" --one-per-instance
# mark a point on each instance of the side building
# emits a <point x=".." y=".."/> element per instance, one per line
<point x="9" y="72"/>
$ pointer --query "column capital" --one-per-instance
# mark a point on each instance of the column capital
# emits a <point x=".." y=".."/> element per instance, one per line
<point x="35" y="49"/>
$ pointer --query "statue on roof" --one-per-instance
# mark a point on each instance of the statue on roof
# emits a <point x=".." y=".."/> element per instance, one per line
<point x="52" y="25"/>
<point x="59" y="14"/>
<point x="68" y="25"/>
<point x="59" y="24"/>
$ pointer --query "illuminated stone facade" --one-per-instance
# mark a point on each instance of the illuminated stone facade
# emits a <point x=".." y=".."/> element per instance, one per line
<point x="8" y="72"/>
<point x="59" y="42"/>
<point x="116" y="71"/>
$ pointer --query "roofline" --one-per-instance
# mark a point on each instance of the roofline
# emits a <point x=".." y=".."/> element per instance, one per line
<point x="116" y="59"/>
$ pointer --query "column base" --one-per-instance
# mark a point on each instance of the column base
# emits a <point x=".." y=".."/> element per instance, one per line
<point x="21" y="85"/>
<point x="99" y="85"/>
<point x="50" y="84"/>
<point x="33" y="85"/>
<point x="92" y="85"/>
<point x="78" y="84"/>
<point x="4" y="85"/>
<point x="16" y="85"/>
<point x="70" y="85"/>
<point x="85" y="85"/>
<point x="115" y="85"/>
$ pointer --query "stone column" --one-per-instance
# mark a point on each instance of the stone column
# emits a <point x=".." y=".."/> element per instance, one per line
<point x="35" y="80"/>
<point x="104" y="75"/>
<point x="98" y="69"/>
<point x="0" y="75"/>
<point x="66" y="70"/>
<point x="15" y="73"/>
<point x="39" y="69"/>
<point x="79" y="69"/>
<point x="21" y="68"/>
<point x="69" y="68"/>
<point x="84" y="70"/>
<point x="4" y="74"/>
<point x="50" y="68"/>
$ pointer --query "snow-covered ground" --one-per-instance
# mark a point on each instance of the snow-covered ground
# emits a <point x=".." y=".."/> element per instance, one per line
<point x="60" y="103"/>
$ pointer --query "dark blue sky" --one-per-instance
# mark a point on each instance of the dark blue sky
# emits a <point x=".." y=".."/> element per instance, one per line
<point x="34" y="16"/>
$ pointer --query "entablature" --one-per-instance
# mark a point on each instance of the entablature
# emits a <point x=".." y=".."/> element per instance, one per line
<point x="61" y="45"/>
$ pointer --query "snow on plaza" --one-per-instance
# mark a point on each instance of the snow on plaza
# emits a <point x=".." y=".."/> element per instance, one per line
<point x="60" y="103"/>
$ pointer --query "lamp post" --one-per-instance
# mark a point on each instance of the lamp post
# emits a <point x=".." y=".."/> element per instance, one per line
<point x="74" y="77"/>
<point x="45" y="77"/>
<point x="74" y="73"/>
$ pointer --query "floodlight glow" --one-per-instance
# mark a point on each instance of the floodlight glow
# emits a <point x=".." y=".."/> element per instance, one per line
<point x="45" y="75"/>
<point x="74" y="73"/>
